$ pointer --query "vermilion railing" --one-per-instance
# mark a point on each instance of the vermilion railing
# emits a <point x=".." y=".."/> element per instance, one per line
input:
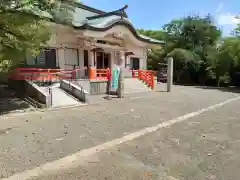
<point x="39" y="74"/>
<point x="32" y="74"/>
<point x="154" y="73"/>
<point x="146" y="76"/>
<point x="99" y="73"/>
<point x="135" y="73"/>
<point x="43" y="74"/>
<point x="56" y="74"/>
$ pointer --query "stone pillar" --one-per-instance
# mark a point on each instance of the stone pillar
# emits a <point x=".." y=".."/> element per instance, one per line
<point x="91" y="58"/>
<point x="61" y="58"/>
<point x="170" y="74"/>
<point x="112" y="59"/>
<point x="143" y="62"/>
<point x="122" y="59"/>
<point x="121" y="75"/>
<point x="81" y="72"/>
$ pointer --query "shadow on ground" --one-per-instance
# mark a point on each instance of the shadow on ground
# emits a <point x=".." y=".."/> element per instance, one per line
<point x="224" y="89"/>
<point x="10" y="102"/>
<point x="8" y="105"/>
<point x="232" y="89"/>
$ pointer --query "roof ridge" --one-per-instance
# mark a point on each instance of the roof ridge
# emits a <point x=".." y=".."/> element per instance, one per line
<point x="88" y="8"/>
<point x="120" y="12"/>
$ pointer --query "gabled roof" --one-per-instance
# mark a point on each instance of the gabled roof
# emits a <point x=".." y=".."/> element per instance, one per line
<point x="86" y="17"/>
<point x="89" y="18"/>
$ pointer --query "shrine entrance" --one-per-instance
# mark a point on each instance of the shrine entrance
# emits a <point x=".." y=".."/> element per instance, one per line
<point x="103" y="60"/>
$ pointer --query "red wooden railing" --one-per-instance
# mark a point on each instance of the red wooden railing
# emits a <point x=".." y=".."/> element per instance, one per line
<point x="147" y="76"/>
<point x="56" y="74"/>
<point x="135" y="73"/>
<point x="43" y="74"/>
<point x="99" y="73"/>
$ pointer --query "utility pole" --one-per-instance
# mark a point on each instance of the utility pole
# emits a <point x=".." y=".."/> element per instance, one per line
<point x="170" y="74"/>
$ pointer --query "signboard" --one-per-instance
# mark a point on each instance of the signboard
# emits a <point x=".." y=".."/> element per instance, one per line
<point x="115" y="76"/>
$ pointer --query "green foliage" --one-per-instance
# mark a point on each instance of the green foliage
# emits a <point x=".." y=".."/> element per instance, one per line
<point x="185" y="63"/>
<point x="231" y="46"/>
<point x="155" y="56"/>
<point x="200" y="55"/>
<point x="236" y="31"/>
<point x="24" y="27"/>
<point x="219" y="64"/>
<point x="158" y="35"/>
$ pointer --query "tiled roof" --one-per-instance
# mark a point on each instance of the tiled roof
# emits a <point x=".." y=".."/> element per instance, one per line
<point x="101" y="21"/>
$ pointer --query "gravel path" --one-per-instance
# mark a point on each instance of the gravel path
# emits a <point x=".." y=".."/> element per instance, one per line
<point x="35" y="138"/>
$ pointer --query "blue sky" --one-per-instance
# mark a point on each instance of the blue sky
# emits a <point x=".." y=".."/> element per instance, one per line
<point x="157" y="13"/>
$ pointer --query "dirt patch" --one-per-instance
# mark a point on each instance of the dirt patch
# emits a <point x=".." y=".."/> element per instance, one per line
<point x="9" y="102"/>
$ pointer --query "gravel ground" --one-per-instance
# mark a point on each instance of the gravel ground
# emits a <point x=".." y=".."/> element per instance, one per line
<point x="204" y="148"/>
<point x="32" y="139"/>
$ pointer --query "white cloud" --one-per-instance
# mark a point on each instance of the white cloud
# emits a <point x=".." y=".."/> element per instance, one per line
<point x="228" y="19"/>
<point x="224" y="18"/>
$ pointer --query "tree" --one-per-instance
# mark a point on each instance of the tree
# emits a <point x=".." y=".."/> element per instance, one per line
<point x="236" y="31"/>
<point x="219" y="65"/>
<point x="185" y="65"/>
<point x="155" y="56"/>
<point x="24" y="26"/>
<point x="231" y="45"/>
<point x="200" y="54"/>
<point x="194" y="34"/>
<point x="155" y="34"/>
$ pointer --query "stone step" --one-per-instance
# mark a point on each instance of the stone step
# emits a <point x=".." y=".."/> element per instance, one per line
<point x="136" y="91"/>
<point x="134" y="85"/>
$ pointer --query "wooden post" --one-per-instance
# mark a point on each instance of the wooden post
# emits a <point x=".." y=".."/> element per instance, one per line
<point x="170" y="74"/>
<point x="91" y="75"/>
<point x="152" y="80"/>
<point x="49" y="77"/>
<point x="108" y="97"/>
<point x="49" y="98"/>
<point x="48" y="74"/>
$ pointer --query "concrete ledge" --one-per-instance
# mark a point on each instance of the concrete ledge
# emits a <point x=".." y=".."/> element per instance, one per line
<point x="34" y="103"/>
<point x="37" y="93"/>
<point x="75" y="90"/>
<point x="98" y="87"/>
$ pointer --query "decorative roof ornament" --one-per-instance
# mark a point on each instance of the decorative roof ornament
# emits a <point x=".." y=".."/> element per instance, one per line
<point x="118" y="35"/>
<point x="123" y="12"/>
<point x="120" y="12"/>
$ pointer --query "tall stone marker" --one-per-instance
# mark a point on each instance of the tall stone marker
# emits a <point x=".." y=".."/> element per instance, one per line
<point x="169" y="74"/>
<point x="122" y="59"/>
<point x="121" y="84"/>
